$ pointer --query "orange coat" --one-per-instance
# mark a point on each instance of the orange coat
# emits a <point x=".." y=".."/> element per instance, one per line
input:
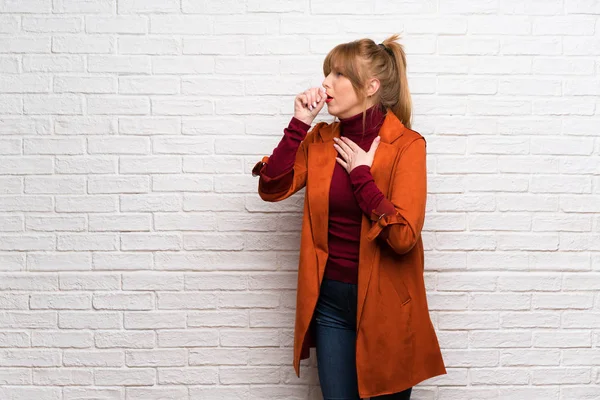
<point x="396" y="343"/>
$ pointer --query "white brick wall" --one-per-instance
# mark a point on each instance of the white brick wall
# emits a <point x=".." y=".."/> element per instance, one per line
<point x="138" y="262"/>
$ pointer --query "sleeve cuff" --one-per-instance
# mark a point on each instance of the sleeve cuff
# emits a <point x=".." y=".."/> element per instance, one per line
<point x="360" y="174"/>
<point x="298" y="125"/>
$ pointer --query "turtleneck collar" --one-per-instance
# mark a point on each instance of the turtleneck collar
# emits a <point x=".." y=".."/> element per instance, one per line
<point x="352" y="127"/>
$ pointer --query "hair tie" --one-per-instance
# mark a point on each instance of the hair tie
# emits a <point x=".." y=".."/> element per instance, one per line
<point x="390" y="52"/>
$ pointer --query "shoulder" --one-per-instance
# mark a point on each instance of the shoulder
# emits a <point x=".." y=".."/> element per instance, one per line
<point x="410" y="139"/>
<point x="412" y="134"/>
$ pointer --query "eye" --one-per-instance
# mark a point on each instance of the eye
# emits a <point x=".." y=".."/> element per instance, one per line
<point x="339" y="74"/>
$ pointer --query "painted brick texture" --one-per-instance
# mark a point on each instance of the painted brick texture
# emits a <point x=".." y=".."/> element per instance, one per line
<point x="138" y="262"/>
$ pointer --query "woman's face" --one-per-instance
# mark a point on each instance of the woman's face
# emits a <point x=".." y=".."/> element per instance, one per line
<point x="344" y="102"/>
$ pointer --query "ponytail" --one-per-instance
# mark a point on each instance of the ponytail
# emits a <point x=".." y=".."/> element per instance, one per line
<point x="402" y="106"/>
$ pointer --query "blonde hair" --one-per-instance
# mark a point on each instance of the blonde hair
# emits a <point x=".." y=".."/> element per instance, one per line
<point x="363" y="59"/>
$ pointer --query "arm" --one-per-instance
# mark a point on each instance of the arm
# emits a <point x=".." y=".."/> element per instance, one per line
<point x="400" y="227"/>
<point x="288" y="172"/>
<point x="282" y="159"/>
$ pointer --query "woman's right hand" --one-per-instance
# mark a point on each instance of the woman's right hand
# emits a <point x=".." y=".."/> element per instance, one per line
<point x="309" y="103"/>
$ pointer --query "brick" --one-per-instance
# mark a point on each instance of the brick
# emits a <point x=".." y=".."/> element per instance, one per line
<point x="60" y="302"/>
<point x="181" y="24"/>
<point x="562" y="339"/>
<point x="89" y="320"/>
<point x="245" y="375"/>
<point x="219" y="318"/>
<point x="124" y="301"/>
<point x="62" y="339"/>
<point x="73" y="393"/>
<point x="24" y="84"/>
<point x="30" y="358"/>
<point x="188" y="338"/>
<point x="25" y="44"/>
<point x="149" y="126"/>
<point x="207" y="7"/>
<point x="125" y="339"/>
<point x="117" y="24"/>
<point x="83" y="84"/>
<point x="125" y="377"/>
<point x="561" y="376"/>
<point x="527" y="358"/>
<point x="153" y="320"/>
<point x="88" y="358"/>
<point x="83" y="44"/>
<point x="103" y="105"/>
<point x="147" y="85"/>
<point x="147" y="6"/>
<point x="156" y="358"/>
<point x="499" y="339"/>
<point x="78" y="7"/>
<point x="100" y="223"/>
<point x="149" y="45"/>
<point x="119" y="64"/>
<point x="62" y="376"/>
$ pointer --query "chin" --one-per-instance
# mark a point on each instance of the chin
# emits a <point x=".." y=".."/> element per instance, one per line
<point x="332" y="112"/>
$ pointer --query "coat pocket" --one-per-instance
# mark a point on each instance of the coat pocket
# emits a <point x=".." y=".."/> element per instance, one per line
<point x="397" y="283"/>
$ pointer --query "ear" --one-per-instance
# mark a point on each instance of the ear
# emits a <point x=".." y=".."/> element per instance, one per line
<point x="372" y="86"/>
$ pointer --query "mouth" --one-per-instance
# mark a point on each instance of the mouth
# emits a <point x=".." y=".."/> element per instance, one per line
<point x="329" y="98"/>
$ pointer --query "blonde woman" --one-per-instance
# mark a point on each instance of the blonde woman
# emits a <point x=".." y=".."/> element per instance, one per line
<point x="361" y="296"/>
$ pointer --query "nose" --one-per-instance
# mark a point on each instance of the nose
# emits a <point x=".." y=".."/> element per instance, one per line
<point x="326" y="82"/>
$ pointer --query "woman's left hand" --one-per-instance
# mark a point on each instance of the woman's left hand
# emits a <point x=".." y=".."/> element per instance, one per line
<point x="352" y="155"/>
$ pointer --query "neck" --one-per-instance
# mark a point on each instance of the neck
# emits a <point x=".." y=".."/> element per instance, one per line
<point x="352" y="127"/>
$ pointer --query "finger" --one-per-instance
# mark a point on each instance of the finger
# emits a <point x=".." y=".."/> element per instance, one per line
<point x="342" y="152"/>
<point x="343" y="145"/>
<point x="312" y="98"/>
<point x="348" y="142"/>
<point x="347" y="157"/>
<point x="375" y="145"/>
<point x="318" y="95"/>
<point x="307" y="95"/>
<point x="321" y="101"/>
<point x="303" y="100"/>
<point x="341" y="162"/>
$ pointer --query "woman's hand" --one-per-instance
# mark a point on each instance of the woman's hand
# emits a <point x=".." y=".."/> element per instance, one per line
<point x="352" y="155"/>
<point x="308" y="104"/>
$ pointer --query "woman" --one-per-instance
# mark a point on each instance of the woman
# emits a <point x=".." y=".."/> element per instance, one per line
<point x="361" y="296"/>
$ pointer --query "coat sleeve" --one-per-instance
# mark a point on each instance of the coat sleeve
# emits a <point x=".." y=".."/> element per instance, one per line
<point x="287" y="183"/>
<point x="398" y="221"/>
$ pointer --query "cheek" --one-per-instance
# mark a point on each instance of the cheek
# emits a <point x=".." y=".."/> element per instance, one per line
<point x="349" y="92"/>
<point x="345" y="91"/>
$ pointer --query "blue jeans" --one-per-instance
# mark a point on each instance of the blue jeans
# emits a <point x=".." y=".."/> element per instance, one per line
<point x="335" y="333"/>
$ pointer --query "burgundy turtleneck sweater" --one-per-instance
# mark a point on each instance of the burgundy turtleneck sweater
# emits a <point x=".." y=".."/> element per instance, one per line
<point x="350" y="195"/>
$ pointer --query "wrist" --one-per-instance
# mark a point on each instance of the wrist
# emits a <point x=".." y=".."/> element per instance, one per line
<point x="360" y="169"/>
<point x="307" y="121"/>
<point x="298" y="126"/>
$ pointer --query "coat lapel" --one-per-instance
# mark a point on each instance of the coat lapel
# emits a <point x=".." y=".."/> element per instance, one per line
<point x="321" y="163"/>
<point x="381" y="171"/>
<point x="383" y="161"/>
